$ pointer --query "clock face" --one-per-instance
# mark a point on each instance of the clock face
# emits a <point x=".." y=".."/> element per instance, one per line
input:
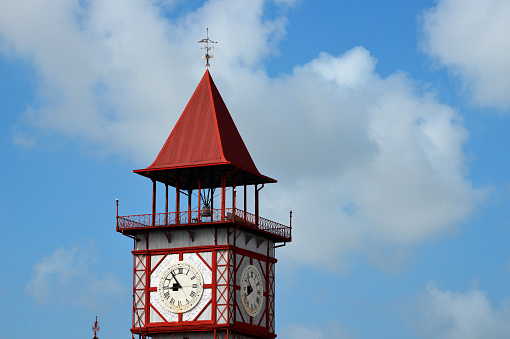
<point x="180" y="286"/>
<point x="252" y="290"/>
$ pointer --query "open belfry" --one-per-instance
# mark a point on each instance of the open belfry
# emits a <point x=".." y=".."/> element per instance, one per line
<point x="207" y="268"/>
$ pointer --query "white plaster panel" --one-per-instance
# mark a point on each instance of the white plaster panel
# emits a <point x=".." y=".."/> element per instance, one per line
<point x="140" y="245"/>
<point x="191" y="314"/>
<point x="207" y="256"/>
<point x="241" y="260"/>
<point x="239" y="318"/>
<point x="169" y="259"/>
<point x="180" y="238"/>
<point x="155" y="260"/>
<point x="206" y="272"/>
<point x="261" y="265"/>
<point x="221" y="236"/>
<point x="169" y="316"/>
<point x="243" y="236"/>
<point x="155" y="317"/>
<point x="207" y="314"/>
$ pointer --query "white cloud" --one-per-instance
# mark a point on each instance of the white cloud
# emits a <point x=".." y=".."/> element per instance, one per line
<point x="366" y="163"/>
<point x="471" y="38"/>
<point x="470" y="315"/>
<point x="67" y="277"/>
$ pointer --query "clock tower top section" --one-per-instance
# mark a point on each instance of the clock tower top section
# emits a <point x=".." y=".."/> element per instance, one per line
<point x="204" y="140"/>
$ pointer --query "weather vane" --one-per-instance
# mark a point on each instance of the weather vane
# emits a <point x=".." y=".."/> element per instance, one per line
<point x="207" y="41"/>
<point x="95" y="328"/>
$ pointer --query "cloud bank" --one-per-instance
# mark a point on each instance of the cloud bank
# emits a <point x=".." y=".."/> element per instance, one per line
<point x="452" y="315"/>
<point x="470" y="38"/>
<point x="366" y="163"/>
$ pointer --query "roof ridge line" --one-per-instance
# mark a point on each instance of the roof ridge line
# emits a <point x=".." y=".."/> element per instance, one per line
<point x="215" y="114"/>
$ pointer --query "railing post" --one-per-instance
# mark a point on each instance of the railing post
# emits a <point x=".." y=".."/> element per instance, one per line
<point x="117" y="202"/>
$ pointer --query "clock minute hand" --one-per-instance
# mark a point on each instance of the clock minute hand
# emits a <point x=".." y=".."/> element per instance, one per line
<point x="177" y="281"/>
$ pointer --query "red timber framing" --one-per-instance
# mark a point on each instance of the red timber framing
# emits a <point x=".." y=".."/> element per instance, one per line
<point x="223" y="306"/>
<point x="204" y="157"/>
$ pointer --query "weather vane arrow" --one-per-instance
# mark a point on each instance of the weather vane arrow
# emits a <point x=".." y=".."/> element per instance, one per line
<point x="207" y="41"/>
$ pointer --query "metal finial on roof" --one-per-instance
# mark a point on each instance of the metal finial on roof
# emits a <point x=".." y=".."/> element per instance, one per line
<point x="207" y="41"/>
<point x="95" y="328"/>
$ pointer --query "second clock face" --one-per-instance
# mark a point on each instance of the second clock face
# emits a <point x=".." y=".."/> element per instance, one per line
<point x="180" y="286"/>
<point x="252" y="290"/>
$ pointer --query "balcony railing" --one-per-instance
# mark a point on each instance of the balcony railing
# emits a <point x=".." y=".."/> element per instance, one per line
<point x="133" y="222"/>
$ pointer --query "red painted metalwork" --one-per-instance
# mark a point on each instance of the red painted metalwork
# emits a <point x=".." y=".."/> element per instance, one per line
<point x="205" y="137"/>
<point x="95" y="329"/>
<point x="204" y="151"/>
<point x="141" y="221"/>
<point x="139" y="290"/>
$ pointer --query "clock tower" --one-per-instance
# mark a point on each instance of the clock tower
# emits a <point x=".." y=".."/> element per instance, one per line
<point x="205" y="269"/>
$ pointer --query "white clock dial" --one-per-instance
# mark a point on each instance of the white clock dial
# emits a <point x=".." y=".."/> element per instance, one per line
<point x="252" y="290"/>
<point x="180" y="286"/>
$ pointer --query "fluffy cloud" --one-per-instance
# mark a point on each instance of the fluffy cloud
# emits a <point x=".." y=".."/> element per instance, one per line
<point x="470" y="37"/>
<point x="367" y="163"/>
<point x="67" y="277"/>
<point x="451" y="315"/>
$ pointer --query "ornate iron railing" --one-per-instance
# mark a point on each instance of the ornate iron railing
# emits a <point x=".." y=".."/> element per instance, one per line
<point x="131" y="222"/>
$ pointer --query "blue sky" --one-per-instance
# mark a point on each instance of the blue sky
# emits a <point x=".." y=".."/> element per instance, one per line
<point x="385" y="122"/>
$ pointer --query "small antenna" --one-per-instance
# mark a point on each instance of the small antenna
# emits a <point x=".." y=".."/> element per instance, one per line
<point x="207" y="41"/>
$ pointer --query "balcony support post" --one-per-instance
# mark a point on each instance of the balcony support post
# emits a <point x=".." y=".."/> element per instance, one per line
<point x="153" y="202"/>
<point x="190" y="192"/>
<point x="166" y="204"/>
<point x="177" y="201"/>
<point x="244" y="199"/>
<point x="223" y="180"/>
<point x="199" y="216"/>
<point x="256" y="206"/>
<point x="234" y="198"/>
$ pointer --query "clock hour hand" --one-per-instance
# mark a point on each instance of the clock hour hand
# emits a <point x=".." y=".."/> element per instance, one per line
<point x="175" y="288"/>
<point x="249" y="287"/>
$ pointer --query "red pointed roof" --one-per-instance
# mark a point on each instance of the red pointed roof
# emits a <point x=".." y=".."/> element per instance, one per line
<point x="205" y="137"/>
